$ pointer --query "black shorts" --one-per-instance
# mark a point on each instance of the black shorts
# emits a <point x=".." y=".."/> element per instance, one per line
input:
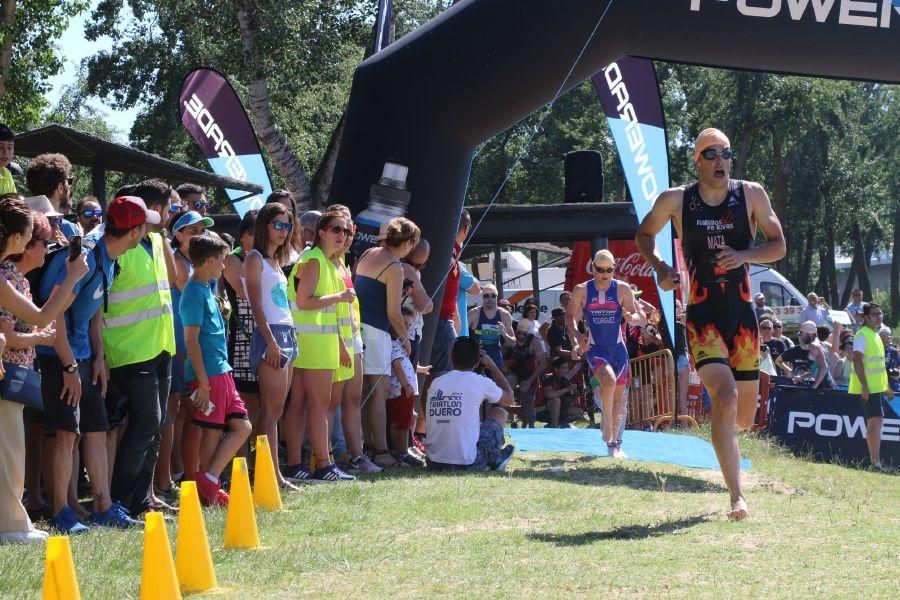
<point x="874" y="406"/>
<point x="722" y="328"/>
<point x="89" y="416"/>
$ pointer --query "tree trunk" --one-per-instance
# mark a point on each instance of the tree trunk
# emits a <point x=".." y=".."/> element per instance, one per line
<point x="806" y="264"/>
<point x="779" y="196"/>
<point x="6" y="49"/>
<point x="848" y="286"/>
<point x="859" y="261"/>
<point x="270" y="137"/>
<point x="827" y="262"/>
<point x="895" y="270"/>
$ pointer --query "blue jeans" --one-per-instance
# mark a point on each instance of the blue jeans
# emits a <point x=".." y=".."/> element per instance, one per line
<point x="444" y="337"/>
<point x="338" y="443"/>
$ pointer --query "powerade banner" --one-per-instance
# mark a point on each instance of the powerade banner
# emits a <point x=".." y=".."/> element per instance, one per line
<point x="216" y="119"/>
<point x="629" y="93"/>
<point x="830" y="425"/>
<point x="383" y="24"/>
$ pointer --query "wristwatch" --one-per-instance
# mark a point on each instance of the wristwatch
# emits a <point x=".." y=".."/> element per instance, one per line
<point x="71" y="368"/>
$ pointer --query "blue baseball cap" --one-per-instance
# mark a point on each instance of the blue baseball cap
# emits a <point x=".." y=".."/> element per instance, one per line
<point x="192" y="217"/>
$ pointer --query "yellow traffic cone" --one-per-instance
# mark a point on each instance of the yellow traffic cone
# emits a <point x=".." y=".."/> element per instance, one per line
<point x="240" y="523"/>
<point x="193" y="560"/>
<point x="158" y="579"/>
<point x="59" y="571"/>
<point x="266" y="493"/>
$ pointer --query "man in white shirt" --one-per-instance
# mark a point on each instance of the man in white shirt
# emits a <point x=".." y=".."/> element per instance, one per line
<point x="455" y="436"/>
<point x="815" y="312"/>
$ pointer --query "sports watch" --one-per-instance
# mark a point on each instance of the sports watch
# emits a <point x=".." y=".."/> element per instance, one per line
<point x="71" y="368"/>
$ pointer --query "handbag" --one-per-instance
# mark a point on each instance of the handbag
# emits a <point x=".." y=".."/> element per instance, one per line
<point x="21" y="385"/>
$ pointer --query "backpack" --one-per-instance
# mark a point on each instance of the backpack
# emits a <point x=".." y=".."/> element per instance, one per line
<point x="35" y="276"/>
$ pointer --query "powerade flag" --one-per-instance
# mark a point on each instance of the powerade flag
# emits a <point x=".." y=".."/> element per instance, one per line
<point x="383" y="24"/>
<point x="629" y="93"/>
<point x="216" y="119"/>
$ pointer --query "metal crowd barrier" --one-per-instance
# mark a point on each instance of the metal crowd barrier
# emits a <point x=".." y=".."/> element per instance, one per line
<point x="651" y="393"/>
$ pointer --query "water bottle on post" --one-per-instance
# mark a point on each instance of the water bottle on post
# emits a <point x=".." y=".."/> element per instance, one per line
<point x="388" y="198"/>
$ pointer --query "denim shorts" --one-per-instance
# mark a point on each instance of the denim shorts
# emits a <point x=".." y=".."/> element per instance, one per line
<point x="490" y="442"/>
<point x="285" y="337"/>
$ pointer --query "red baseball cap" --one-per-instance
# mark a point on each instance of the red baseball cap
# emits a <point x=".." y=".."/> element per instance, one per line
<point x="126" y="212"/>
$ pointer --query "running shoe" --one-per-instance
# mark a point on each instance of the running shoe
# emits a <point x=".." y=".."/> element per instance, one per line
<point x="298" y="474"/>
<point x="34" y="536"/>
<point x="408" y="459"/>
<point x="66" y="521"/>
<point x="211" y="494"/>
<point x="362" y="464"/>
<point x="331" y="473"/>
<point x="418" y="442"/>
<point x="114" y="517"/>
<point x="506" y="454"/>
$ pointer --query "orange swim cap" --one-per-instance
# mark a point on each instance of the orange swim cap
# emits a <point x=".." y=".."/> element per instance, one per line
<point x="709" y="137"/>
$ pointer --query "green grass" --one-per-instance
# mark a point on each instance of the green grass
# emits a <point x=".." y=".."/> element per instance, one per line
<point x="553" y="526"/>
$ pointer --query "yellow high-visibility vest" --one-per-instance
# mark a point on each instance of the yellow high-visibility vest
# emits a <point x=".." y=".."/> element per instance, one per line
<point x="873" y="365"/>
<point x="319" y="331"/>
<point x="138" y="325"/>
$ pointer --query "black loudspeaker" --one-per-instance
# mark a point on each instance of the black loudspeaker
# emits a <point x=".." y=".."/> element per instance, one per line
<point x="584" y="176"/>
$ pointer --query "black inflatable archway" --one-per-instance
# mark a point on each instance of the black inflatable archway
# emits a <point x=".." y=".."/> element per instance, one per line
<point x="430" y="99"/>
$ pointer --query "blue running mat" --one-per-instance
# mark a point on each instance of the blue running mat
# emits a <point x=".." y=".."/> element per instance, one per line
<point x="676" y="449"/>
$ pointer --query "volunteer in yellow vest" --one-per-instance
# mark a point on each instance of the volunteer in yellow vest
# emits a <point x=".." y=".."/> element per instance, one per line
<point x="349" y="396"/>
<point x="872" y="387"/>
<point x="7" y="150"/>
<point x="139" y="340"/>
<point x="273" y="345"/>
<point x="322" y="300"/>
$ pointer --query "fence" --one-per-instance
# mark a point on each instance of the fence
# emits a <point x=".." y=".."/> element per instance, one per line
<point x="651" y="395"/>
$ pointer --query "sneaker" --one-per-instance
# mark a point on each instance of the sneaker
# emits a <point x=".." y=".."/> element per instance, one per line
<point x="66" y="521"/>
<point x="408" y="459"/>
<point x="506" y="454"/>
<point x="332" y="473"/>
<point x="416" y="452"/>
<point x="298" y="474"/>
<point x="115" y="517"/>
<point x="211" y="494"/>
<point x="418" y="442"/>
<point x="362" y="464"/>
<point x="35" y="536"/>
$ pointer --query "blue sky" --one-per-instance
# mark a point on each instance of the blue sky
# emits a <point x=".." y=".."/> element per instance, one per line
<point x="74" y="48"/>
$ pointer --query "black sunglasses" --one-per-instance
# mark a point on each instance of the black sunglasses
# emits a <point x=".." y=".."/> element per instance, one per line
<point x="336" y="229"/>
<point x="201" y="204"/>
<point x="713" y="154"/>
<point x="489" y="296"/>
<point x="602" y="270"/>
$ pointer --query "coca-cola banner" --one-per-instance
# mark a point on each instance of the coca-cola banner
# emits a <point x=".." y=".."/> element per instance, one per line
<point x="215" y="118"/>
<point x="629" y="93"/>
<point x="579" y="270"/>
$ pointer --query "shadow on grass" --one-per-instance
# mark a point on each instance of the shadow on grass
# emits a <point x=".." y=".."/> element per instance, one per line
<point x="625" y="532"/>
<point x="625" y="476"/>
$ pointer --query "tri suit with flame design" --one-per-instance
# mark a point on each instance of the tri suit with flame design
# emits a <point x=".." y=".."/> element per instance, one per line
<point x="721" y="323"/>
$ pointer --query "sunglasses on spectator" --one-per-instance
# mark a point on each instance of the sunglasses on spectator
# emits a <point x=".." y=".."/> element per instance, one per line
<point x="70" y="180"/>
<point x="779" y="326"/>
<point x="92" y="213"/>
<point x="415" y="265"/>
<point x="489" y="296"/>
<point x="713" y="154"/>
<point x="174" y="208"/>
<point x="282" y="225"/>
<point x="335" y="229"/>
<point x="55" y="221"/>
<point x="766" y="327"/>
<point x="199" y="205"/>
<point x="602" y="270"/>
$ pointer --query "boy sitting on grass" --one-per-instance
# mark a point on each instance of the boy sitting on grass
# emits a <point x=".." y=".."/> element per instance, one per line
<point x="216" y="401"/>
<point x="455" y="438"/>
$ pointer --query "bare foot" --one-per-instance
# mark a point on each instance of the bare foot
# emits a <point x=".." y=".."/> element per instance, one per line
<point x="739" y="510"/>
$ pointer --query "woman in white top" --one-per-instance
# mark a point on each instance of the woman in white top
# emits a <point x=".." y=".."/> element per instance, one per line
<point x="273" y="346"/>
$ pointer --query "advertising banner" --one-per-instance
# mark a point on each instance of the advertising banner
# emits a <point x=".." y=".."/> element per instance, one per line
<point x="214" y="116"/>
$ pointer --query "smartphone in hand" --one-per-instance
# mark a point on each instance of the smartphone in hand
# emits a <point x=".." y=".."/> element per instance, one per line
<point x="74" y="247"/>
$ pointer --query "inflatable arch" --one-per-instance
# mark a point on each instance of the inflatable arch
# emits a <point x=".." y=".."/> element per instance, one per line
<point x="430" y="99"/>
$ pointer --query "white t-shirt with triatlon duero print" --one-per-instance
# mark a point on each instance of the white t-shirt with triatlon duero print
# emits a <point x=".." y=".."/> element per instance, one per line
<point x="454" y="416"/>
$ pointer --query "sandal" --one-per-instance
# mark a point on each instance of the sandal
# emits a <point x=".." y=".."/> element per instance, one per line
<point x="391" y="460"/>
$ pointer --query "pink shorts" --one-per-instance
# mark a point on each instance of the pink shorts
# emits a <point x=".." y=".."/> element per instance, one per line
<point x="227" y="403"/>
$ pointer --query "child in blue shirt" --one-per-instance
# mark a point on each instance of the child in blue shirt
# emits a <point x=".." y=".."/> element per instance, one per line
<point x="217" y="405"/>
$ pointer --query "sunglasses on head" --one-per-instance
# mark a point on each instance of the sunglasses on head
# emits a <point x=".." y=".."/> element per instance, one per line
<point x="336" y="229"/>
<point x="201" y="204"/>
<point x="713" y="154"/>
<point x="489" y="296"/>
<point x="282" y="225"/>
<point x="602" y="270"/>
<point x="92" y="213"/>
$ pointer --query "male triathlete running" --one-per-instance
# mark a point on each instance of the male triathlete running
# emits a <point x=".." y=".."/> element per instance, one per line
<point x="491" y="325"/>
<point x="716" y="219"/>
<point x="603" y="301"/>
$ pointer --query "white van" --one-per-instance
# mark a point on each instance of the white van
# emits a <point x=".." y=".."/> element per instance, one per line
<point x="786" y="300"/>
